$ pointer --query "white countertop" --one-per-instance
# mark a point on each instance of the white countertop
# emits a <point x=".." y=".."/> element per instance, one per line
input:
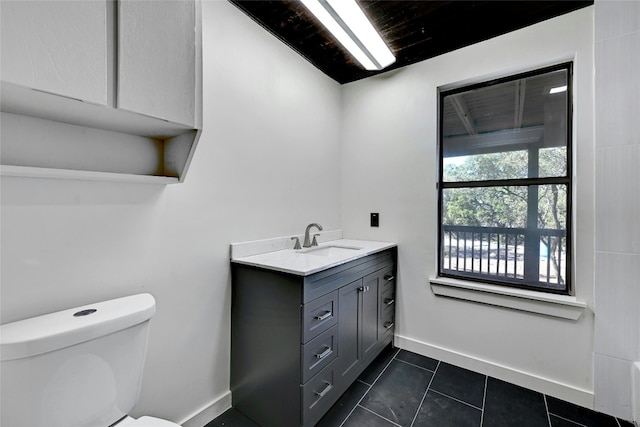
<point x="304" y="262"/>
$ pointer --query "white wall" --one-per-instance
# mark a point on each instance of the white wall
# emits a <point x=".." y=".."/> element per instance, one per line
<point x="389" y="166"/>
<point x="617" y="295"/>
<point x="267" y="164"/>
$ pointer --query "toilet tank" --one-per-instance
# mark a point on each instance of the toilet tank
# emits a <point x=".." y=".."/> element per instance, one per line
<point x="80" y="367"/>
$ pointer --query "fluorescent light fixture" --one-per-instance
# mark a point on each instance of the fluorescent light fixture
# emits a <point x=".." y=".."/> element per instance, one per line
<point x="558" y="89"/>
<point x="346" y="21"/>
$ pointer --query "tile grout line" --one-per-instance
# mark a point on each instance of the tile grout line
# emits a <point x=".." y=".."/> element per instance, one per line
<point x="417" y="366"/>
<point x="549" y="414"/>
<point x="379" y="416"/>
<point x="567" y="419"/>
<point x="457" y="400"/>
<point x="370" y="387"/>
<point x="385" y="368"/>
<point x="424" y="396"/>
<point x="484" y="399"/>
<point x="363" y="382"/>
<point x="546" y="408"/>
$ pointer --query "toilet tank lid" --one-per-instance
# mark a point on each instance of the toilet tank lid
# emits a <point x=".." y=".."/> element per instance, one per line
<point x="49" y="332"/>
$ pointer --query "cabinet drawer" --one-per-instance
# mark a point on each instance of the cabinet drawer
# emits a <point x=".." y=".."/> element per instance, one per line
<point x="387" y="321"/>
<point x="318" y="395"/>
<point x="388" y="280"/>
<point x="388" y="300"/>
<point x="319" y="315"/>
<point x="318" y="353"/>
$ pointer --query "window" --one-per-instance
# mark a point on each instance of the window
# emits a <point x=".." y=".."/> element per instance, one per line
<point x="505" y="181"/>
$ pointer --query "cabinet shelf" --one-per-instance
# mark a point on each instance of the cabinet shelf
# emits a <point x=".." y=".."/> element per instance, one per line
<point x="32" y="172"/>
<point x="46" y="135"/>
<point x="51" y="136"/>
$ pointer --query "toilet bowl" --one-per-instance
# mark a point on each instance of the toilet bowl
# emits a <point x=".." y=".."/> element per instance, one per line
<point x="80" y="367"/>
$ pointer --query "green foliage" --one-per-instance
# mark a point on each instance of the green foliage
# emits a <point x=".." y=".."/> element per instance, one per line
<point x="505" y="206"/>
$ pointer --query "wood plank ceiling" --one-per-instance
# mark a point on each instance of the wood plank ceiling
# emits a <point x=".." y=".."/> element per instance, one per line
<point x="415" y="30"/>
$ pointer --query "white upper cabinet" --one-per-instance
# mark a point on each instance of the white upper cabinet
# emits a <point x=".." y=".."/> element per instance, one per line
<point x="157" y="59"/>
<point x="123" y="77"/>
<point x="56" y="46"/>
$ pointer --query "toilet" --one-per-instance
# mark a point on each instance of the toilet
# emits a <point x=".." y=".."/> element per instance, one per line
<point x="80" y="367"/>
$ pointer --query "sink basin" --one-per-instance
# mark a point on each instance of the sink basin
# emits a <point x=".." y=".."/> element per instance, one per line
<point x="331" y="251"/>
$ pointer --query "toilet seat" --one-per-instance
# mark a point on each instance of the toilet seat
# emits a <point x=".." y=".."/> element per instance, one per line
<point x="145" y="422"/>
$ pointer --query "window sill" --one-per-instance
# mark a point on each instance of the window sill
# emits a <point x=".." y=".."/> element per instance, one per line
<point x="566" y="307"/>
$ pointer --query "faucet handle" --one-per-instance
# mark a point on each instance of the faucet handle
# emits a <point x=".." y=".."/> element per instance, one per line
<point x="314" y="242"/>
<point x="297" y="243"/>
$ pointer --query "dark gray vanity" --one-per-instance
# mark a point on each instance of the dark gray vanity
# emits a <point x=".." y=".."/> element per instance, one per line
<point x="299" y="341"/>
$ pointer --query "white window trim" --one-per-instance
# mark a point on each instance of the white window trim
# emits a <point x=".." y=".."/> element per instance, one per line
<point x="563" y="306"/>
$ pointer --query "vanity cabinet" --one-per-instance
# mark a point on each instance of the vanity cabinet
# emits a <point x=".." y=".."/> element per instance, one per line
<point x="102" y="90"/>
<point x="298" y="342"/>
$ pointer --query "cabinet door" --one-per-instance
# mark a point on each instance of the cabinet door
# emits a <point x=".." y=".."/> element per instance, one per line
<point x="157" y="59"/>
<point x="56" y="46"/>
<point x="349" y="353"/>
<point x="369" y="309"/>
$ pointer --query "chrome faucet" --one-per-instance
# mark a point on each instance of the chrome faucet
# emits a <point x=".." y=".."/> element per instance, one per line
<point x="307" y="243"/>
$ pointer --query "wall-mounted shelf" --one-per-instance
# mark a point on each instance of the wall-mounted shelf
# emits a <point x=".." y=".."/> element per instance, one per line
<point x="31" y="172"/>
<point x="51" y="136"/>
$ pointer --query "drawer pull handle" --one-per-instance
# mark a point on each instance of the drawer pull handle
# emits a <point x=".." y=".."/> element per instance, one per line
<point x="388" y="325"/>
<point x="389" y="301"/>
<point x="389" y="277"/>
<point x="325" y="353"/>
<point x="326" y="389"/>
<point x="326" y="315"/>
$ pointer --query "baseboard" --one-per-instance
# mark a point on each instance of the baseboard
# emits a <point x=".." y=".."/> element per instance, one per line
<point x="209" y="412"/>
<point x="549" y="387"/>
<point x="635" y="393"/>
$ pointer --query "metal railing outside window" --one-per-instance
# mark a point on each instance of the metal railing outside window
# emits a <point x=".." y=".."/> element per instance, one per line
<point x="498" y="254"/>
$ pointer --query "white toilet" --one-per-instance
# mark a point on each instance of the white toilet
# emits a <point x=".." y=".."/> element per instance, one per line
<point x="77" y="368"/>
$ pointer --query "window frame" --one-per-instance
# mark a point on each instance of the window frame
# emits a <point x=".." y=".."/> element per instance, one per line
<point x="566" y="180"/>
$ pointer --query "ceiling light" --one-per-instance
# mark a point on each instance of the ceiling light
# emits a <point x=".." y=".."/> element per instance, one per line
<point x="346" y="21"/>
<point x="558" y="89"/>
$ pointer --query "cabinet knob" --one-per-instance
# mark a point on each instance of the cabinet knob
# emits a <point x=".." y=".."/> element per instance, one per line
<point x="364" y="288"/>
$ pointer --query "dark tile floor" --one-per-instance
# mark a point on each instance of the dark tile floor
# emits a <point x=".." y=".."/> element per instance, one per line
<point x="405" y="389"/>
